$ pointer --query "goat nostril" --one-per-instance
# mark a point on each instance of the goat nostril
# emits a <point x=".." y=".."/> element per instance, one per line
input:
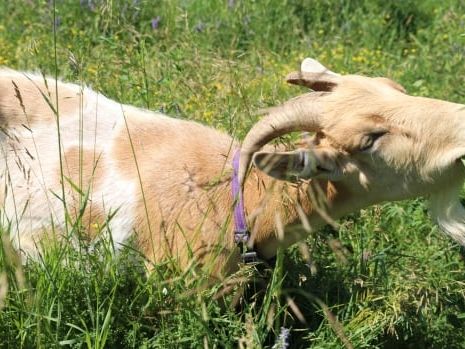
<point x="302" y="160"/>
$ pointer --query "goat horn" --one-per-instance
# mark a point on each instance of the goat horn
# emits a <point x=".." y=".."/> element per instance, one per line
<point x="302" y="113"/>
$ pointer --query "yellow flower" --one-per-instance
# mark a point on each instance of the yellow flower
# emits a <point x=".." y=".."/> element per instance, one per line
<point x="208" y="115"/>
<point x="92" y="70"/>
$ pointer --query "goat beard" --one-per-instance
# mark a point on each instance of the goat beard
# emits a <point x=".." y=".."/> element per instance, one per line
<point x="446" y="209"/>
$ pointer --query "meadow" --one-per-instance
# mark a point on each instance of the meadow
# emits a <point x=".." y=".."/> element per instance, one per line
<point x="387" y="278"/>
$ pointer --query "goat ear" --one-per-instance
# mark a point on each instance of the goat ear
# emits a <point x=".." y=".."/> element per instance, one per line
<point x="293" y="165"/>
<point x="310" y="65"/>
<point x="314" y="75"/>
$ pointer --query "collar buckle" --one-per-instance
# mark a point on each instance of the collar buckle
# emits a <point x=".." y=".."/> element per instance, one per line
<point x="241" y="237"/>
<point x="249" y="257"/>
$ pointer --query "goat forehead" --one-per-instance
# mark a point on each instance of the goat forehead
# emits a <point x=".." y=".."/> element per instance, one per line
<point x="379" y="84"/>
<point x="406" y="115"/>
<point x="344" y="126"/>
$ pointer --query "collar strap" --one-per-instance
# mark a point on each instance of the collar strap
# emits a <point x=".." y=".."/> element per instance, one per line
<point x="241" y="231"/>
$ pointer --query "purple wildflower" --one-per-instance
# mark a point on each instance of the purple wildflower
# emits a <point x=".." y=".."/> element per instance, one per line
<point x="87" y="3"/>
<point x="200" y="27"/>
<point x="155" y="22"/>
<point x="57" y="22"/>
<point x="282" y="342"/>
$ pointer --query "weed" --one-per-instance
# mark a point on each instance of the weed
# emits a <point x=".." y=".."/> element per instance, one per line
<point x="386" y="279"/>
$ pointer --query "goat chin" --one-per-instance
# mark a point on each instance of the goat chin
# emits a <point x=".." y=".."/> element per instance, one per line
<point x="449" y="213"/>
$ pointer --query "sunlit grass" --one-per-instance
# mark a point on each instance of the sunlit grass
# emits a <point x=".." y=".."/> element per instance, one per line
<point x="386" y="279"/>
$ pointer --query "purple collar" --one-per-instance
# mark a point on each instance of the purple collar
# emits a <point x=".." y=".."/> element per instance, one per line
<point x="241" y="232"/>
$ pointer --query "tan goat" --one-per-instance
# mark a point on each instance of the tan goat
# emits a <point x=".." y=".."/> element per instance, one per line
<point x="167" y="182"/>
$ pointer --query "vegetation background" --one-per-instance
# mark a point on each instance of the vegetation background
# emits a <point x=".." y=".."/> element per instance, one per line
<point x="386" y="279"/>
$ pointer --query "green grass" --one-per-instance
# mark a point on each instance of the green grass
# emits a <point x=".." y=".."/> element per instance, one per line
<point x="387" y="279"/>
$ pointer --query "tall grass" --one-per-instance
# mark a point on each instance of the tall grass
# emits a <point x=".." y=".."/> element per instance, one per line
<point x="386" y="279"/>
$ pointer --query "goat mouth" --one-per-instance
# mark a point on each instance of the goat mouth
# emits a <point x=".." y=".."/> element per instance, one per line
<point x="322" y="169"/>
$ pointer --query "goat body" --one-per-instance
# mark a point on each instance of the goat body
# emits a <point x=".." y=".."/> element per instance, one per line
<point x="78" y="156"/>
<point x="81" y="155"/>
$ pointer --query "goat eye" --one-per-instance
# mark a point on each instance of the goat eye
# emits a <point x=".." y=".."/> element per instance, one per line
<point x="368" y="140"/>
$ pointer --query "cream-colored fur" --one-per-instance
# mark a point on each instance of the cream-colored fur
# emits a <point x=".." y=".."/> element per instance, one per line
<point x="166" y="181"/>
<point x="416" y="152"/>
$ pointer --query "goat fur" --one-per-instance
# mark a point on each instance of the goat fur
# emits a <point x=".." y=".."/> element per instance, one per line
<point x="166" y="182"/>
